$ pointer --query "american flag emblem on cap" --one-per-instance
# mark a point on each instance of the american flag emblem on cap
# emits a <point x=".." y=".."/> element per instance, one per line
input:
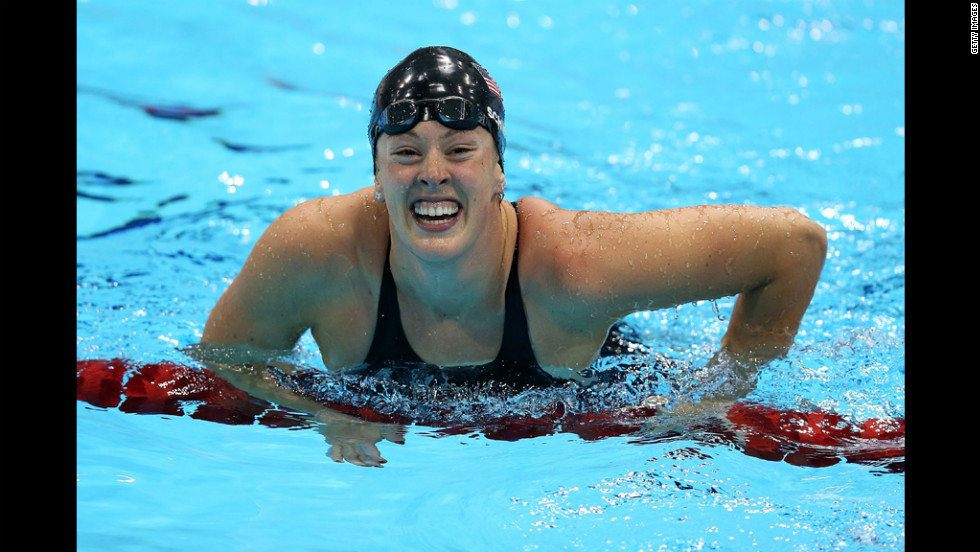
<point x="492" y="84"/>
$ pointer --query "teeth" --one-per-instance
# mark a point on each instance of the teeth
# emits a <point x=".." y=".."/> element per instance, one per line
<point x="436" y="209"/>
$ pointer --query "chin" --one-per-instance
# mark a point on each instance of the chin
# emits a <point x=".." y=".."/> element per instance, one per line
<point x="439" y="248"/>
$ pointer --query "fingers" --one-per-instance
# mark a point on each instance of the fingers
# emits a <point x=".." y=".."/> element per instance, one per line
<point x="336" y="454"/>
<point x="359" y="454"/>
<point x="370" y="455"/>
<point x="355" y="441"/>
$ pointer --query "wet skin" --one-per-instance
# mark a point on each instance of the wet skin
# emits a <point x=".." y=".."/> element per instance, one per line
<point x="435" y="197"/>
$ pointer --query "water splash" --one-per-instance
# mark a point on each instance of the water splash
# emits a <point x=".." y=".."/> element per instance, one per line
<point x="430" y="397"/>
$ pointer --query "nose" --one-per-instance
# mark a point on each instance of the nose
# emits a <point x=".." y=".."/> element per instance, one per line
<point x="434" y="170"/>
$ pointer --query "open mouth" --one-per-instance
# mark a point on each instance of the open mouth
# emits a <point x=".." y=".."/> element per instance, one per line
<point x="435" y="214"/>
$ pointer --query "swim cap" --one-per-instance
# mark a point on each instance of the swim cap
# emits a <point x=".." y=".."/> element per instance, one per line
<point x="437" y="83"/>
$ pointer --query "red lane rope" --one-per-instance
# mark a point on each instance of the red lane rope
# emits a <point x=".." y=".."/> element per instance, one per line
<point x="165" y="387"/>
<point x="814" y="438"/>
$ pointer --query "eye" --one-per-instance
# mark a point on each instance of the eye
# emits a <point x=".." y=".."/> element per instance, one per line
<point x="404" y="152"/>
<point x="459" y="150"/>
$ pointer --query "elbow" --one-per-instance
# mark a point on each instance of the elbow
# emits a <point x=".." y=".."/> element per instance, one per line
<point x="807" y="245"/>
<point x="800" y="266"/>
<point x="766" y="318"/>
<point x="797" y="252"/>
<point x="813" y="240"/>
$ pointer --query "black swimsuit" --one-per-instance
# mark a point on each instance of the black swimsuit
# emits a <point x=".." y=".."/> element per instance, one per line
<point x="391" y="355"/>
<point x="515" y="363"/>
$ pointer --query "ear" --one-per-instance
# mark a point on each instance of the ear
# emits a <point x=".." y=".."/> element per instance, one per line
<point x="379" y="193"/>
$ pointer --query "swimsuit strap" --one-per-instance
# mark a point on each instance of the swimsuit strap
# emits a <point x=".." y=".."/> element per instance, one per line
<point x="516" y="345"/>
<point x="389" y="344"/>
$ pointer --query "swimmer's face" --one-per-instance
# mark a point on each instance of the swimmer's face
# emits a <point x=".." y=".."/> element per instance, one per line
<point x="440" y="186"/>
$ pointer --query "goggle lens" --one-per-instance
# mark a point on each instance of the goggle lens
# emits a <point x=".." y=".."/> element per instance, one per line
<point x="458" y="113"/>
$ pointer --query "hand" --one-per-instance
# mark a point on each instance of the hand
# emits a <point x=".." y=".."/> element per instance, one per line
<point x="683" y="416"/>
<point x="350" y="438"/>
<point x="353" y="440"/>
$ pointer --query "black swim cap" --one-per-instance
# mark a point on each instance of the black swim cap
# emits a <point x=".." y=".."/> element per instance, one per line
<point x="470" y="97"/>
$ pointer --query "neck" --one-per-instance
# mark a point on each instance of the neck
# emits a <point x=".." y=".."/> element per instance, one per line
<point x="472" y="281"/>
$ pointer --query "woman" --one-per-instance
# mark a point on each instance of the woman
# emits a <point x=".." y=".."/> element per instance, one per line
<point x="431" y="264"/>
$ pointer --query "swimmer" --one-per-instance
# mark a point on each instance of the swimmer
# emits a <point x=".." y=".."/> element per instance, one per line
<point x="432" y="264"/>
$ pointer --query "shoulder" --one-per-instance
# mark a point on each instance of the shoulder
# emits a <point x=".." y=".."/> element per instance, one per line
<point x="349" y="217"/>
<point x="318" y="250"/>
<point x="321" y="256"/>
<point x="559" y="247"/>
<point x="540" y="220"/>
<point x="564" y="324"/>
<point x="326" y="231"/>
<point x="534" y="210"/>
<point x="551" y="253"/>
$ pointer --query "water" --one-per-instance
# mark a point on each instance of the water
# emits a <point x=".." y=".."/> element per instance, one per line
<point x="610" y="105"/>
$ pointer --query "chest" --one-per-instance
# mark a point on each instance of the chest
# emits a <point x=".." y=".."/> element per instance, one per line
<point x="453" y="341"/>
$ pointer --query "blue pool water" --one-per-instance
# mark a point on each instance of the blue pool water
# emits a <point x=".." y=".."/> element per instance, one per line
<point x="200" y="122"/>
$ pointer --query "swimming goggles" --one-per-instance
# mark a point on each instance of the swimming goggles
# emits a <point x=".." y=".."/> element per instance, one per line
<point x="453" y="112"/>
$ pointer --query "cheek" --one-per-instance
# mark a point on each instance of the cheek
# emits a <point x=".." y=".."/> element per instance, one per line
<point x="393" y="178"/>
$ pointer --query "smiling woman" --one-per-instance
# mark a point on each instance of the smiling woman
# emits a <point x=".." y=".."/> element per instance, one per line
<point x="443" y="188"/>
<point x="432" y="266"/>
<point x="617" y="114"/>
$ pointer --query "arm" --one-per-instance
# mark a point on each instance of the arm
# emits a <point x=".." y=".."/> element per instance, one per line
<point x="261" y="307"/>
<point x="770" y="257"/>
<point x="767" y="314"/>
<point x="318" y="259"/>
<point x="291" y="275"/>
<point x="351" y="439"/>
<point x="791" y="250"/>
<point x="623" y="263"/>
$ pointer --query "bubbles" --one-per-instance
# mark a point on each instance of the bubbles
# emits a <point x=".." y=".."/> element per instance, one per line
<point x="715" y="309"/>
<point x="428" y="396"/>
<point x="859" y="374"/>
